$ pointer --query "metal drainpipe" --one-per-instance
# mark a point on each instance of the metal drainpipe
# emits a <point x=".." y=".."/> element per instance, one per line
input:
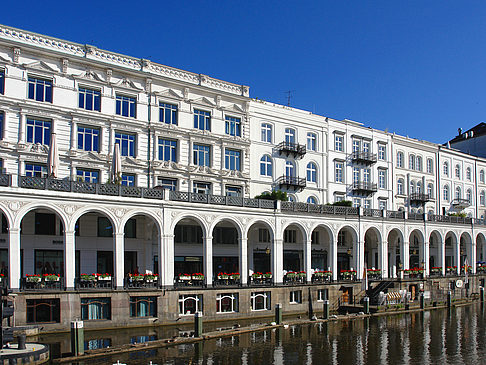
<point x="149" y="138"/>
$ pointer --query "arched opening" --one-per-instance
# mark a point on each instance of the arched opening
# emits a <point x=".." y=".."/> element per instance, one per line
<point x="321" y="261"/>
<point x="94" y="250"/>
<point x="141" y="251"/>
<point x="416" y="252"/>
<point x="188" y="252"/>
<point x="226" y="237"/>
<point x="42" y="250"/>
<point x="465" y="250"/>
<point x="450" y="246"/>
<point x="293" y="248"/>
<point x="372" y="255"/>
<point x="481" y="253"/>
<point x="435" y="259"/>
<point x="4" y="259"/>
<point x="395" y="241"/>
<point x="260" y="244"/>
<point x="346" y="255"/>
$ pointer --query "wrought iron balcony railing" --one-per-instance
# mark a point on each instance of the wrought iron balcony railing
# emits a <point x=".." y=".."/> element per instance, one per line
<point x="365" y="188"/>
<point x="366" y="158"/>
<point x="290" y="148"/>
<point x="291" y="182"/>
<point x="419" y="198"/>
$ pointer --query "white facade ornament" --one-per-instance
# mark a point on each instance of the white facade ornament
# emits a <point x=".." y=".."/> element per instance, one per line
<point x="16" y="54"/>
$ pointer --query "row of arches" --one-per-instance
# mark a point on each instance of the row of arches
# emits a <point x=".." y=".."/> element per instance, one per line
<point x="46" y="240"/>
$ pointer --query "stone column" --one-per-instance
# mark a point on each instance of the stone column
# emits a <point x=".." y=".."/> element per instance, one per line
<point x="22" y="127"/>
<point x="425" y="258"/>
<point x="74" y="132"/>
<point x="473" y="258"/>
<point x="308" y="258"/>
<point x="243" y="253"/>
<point x="457" y="256"/>
<point x="208" y="259"/>
<point x="14" y="258"/>
<point x="405" y="255"/>
<point x="333" y="253"/>
<point x="359" y="254"/>
<point x="442" y="256"/>
<point x="119" y="258"/>
<point x="383" y="258"/>
<point x="166" y="261"/>
<point x="103" y="146"/>
<point x="69" y="259"/>
<point x="277" y="261"/>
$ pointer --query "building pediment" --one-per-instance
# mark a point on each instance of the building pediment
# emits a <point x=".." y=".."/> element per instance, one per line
<point x="233" y="108"/>
<point x="90" y="76"/>
<point x="39" y="66"/>
<point x="204" y="101"/>
<point x="170" y="93"/>
<point x="127" y="84"/>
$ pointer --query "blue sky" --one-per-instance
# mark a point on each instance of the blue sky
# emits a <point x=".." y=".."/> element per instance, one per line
<point x="417" y="68"/>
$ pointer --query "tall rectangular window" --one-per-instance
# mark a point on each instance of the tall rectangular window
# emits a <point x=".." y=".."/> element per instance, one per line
<point x="366" y="175"/>
<point x="126" y="106"/>
<point x="201" y="155"/>
<point x="2" y="82"/>
<point x="167" y="150"/>
<point x="338" y="172"/>
<point x="37" y="170"/>
<point x="86" y="175"/>
<point x="126" y="142"/>
<point x="311" y="141"/>
<point x="2" y="120"/>
<point x="382" y="179"/>
<point x="266" y="132"/>
<point x="95" y="308"/>
<point x="233" y="126"/>
<point x="356" y="145"/>
<point x="40" y="89"/>
<point x="202" y="120"/>
<point x="38" y="131"/>
<point x="168" y="113"/>
<point x="168" y="183"/>
<point x="88" y="139"/>
<point x="382" y="152"/>
<point x="143" y="306"/>
<point x="356" y="174"/>
<point x="128" y="180"/>
<point x="89" y="99"/>
<point x="232" y="160"/>
<point x="339" y="142"/>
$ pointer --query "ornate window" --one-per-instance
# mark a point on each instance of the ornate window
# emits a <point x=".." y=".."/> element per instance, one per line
<point x="266" y="166"/>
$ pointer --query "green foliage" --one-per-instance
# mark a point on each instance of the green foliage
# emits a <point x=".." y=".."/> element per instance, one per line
<point x="274" y="195"/>
<point x="343" y="203"/>
<point x="461" y="214"/>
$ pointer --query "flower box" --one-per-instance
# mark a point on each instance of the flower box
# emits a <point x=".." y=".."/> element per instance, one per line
<point x="198" y="277"/>
<point x="104" y="278"/>
<point x="51" y="277"/>
<point x="33" y="279"/>
<point x="235" y="276"/>
<point x="256" y="275"/>
<point x="86" y="277"/>
<point x="149" y="278"/>
<point x="268" y="275"/>
<point x="137" y="278"/>
<point x="184" y="277"/>
<point x="223" y="276"/>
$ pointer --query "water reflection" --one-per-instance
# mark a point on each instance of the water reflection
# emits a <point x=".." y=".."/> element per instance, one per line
<point x="456" y="336"/>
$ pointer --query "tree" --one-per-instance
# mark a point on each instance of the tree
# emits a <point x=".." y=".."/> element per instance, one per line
<point x="274" y="195"/>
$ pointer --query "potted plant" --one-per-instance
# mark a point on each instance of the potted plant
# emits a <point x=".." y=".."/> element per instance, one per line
<point x="198" y="276"/>
<point x="267" y="275"/>
<point x="291" y="275"/>
<point x="33" y="278"/>
<point x="436" y="270"/>
<point x="104" y="276"/>
<point x="149" y="278"/>
<point x="223" y="276"/>
<point x="235" y="276"/>
<point x="302" y="275"/>
<point x="88" y="277"/>
<point x="137" y="277"/>
<point x="184" y="277"/>
<point x="51" y="277"/>
<point x="256" y="275"/>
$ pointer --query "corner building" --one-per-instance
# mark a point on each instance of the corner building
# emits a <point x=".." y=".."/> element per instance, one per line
<point x="195" y="152"/>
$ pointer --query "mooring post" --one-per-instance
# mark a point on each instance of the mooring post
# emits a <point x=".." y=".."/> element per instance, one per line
<point x="481" y="293"/>
<point x="77" y="338"/>
<point x="278" y="313"/>
<point x="325" y="315"/>
<point x="449" y="299"/>
<point x="422" y="301"/>
<point x="366" y="305"/>
<point x="198" y="324"/>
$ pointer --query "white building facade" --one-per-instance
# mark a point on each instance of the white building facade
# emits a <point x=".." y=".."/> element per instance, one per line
<point x="195" y="152"/>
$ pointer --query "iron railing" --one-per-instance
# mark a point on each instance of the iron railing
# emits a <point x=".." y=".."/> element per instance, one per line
<point x="364" y="157"/>
<point x="291" y="182"/>
<point x="291" y="148"/>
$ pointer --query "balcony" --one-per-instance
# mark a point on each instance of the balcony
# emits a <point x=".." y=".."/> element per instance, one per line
<point x="364" y="188"/>
<point x="366" y="158"/>
<point x="291" y="149"/>
<point x="419" y="198"/>
<point x="291" y="183"/>
<point x="460" y="203"/>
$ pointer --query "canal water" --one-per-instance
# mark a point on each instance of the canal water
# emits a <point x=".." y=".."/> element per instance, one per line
<point x="455" y="336"/>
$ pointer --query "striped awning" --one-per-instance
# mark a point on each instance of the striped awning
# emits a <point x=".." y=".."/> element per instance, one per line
<point x="393" y="295"/>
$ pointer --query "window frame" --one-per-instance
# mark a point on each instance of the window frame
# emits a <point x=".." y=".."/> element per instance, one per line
<point x="34" y="83"/>
<point x="127" y="142"/>
<point x="126" y="105"/>
<point x="202" y="120"/>
<point x="232" y="126"/>
<point x="168" y="109"/>
<point x="167" y="146"/>
<point x="94" y="95"/>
